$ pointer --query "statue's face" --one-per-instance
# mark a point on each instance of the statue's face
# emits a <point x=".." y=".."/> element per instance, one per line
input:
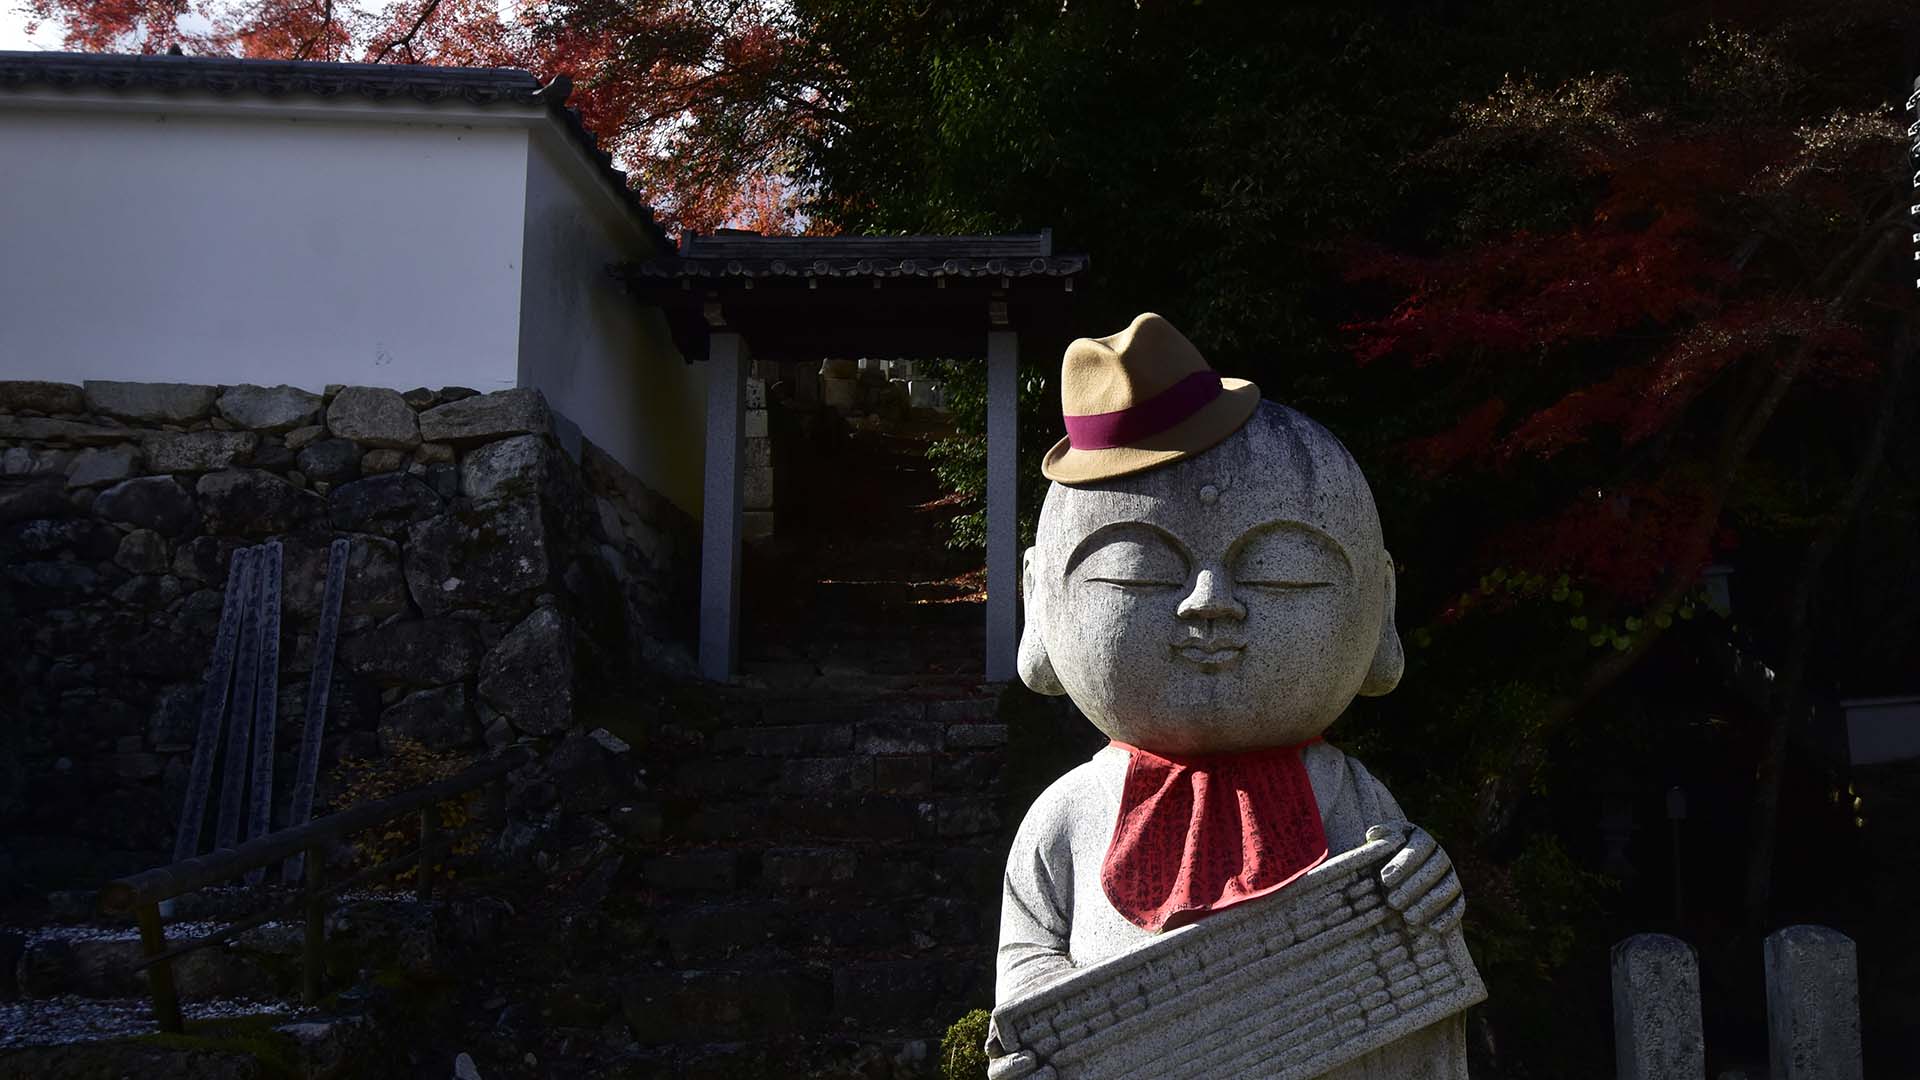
<point x="1229" y="601"/>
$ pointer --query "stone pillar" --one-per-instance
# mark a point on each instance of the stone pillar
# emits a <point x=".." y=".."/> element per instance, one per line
<point x="721" y="504"/>
<point x="757" y="478"/>
<point x="1656" y="1010"/>
<point x="1003" y="503"/>
<point x="1813" y="1005"/>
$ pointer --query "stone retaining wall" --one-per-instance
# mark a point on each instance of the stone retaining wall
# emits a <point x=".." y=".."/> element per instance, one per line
<point x="495" y="585"/>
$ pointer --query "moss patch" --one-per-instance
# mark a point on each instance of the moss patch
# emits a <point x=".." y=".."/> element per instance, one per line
<point x="252" y="1036"/>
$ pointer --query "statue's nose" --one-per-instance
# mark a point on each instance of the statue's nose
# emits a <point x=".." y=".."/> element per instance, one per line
<point x="1211" y="599"/>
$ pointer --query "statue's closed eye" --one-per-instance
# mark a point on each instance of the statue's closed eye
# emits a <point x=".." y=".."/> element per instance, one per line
<point x="1134" y="561"/>
<point x="1280" y="557"/>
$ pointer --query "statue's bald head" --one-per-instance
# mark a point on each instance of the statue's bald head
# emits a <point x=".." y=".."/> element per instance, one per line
<point x="1236" y="598"/>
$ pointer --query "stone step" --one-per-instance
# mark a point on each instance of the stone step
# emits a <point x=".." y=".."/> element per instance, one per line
<point x="56" y="961"/>
<point x="224" y="1040"/>
<point x="76" y="961"/>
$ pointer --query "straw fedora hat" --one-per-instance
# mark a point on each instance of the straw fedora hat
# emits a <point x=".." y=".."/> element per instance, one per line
<point x="1140" y="398"/>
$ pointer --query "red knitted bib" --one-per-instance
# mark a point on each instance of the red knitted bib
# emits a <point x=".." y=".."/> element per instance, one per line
<point x="1200" y="833"/>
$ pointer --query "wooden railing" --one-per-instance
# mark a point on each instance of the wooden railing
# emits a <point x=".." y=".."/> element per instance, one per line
<point x="143" y="893"/>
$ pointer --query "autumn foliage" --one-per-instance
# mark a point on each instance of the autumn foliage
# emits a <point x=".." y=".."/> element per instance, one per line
<point x="698" y="100"/>
<point x="1616" y="346"/>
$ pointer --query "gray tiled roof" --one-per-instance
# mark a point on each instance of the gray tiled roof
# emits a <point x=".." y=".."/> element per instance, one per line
<point x="731" y="254"/>
<point x="318" y="79"/>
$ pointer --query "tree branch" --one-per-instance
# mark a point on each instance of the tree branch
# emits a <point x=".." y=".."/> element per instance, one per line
<point x="406" y="40"/>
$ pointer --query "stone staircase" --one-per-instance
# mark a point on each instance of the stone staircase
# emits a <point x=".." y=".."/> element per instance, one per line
<point x="796" y="875"/>
<point x="808" y="888"/>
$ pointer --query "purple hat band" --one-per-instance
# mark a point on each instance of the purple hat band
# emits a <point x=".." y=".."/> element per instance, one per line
<point x="1123" y="427"/>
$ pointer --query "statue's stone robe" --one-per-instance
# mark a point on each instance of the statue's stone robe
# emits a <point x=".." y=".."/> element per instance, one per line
<point x="1054" y="916"/>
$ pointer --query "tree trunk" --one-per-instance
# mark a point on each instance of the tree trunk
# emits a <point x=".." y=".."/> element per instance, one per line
<point x="1788" y="703"/>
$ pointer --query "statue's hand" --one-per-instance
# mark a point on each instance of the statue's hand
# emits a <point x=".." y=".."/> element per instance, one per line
<point x="1421" y="884"/>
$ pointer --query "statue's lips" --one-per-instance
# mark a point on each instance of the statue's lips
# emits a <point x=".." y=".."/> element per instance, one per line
<point x="1210" y="655"/>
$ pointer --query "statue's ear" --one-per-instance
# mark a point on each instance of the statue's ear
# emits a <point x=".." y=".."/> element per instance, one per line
<point x="1389" y="658"/>
<point x="1035" y="669"/>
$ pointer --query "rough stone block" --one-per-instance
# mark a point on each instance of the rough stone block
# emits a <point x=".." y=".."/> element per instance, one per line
<point x="963" y="710"/>
<point x="149" y="402"/>
<point x="825" y="776"/>
<point x="723" y="776"/>
<point x="906" y="775"/>
<point x="757" y="489"/>
<point x="842" y="394"/>
<point x="143" y="551"/>
<point x="440" y="719"/>
<point x="792" y="869"/>
<point x="414" y="652"/>
<point x="490" y="558"/>
<point x="249" y="502"/>
<point x="20" y="461"/>
<point x="382" y="460"/>
<point x="511" y="466"/>
<point x="387" y="504"/>
<point x="86" y="538"/>
<point x="1656" y="1010"/>
<point x="724" y="1006"/>
<point x="976" y="736"/>
<point x="694" y="871"/>
<point x="528" y="676"/>
<point x="483" y="418"/>
<point x="788" y="740"/>
<point x="711" y="932"/>
<point x="588" y="775"/>
<point x="975" y="772"/>
<point x="887" y="991"/>
<point x="43" y="397"/>
<point x="331" y="461"/>
<point x="898" y="737"/>
<point x="302" y="437"/>
<point x="109" y="465"/>
<point x="197" y="451"/>
<point x="149" y="502"/>
<point x="1813" y="1004"/>
<point x="968" y="815"/>
<point x="864" y="929"/>
<point x="375" y="586"/>
<point x="40" y="429"/>
<point x="374" y="417"/>
<point x="854" y="817"/>
<point x="269" y="408"/>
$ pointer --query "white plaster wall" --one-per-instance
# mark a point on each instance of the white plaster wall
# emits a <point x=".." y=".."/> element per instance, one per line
<point x="204" y="249"/>
<point x="606" y="366"/>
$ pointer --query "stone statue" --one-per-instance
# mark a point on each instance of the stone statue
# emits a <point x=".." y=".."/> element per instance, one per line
<point x="1210" y="586"/>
